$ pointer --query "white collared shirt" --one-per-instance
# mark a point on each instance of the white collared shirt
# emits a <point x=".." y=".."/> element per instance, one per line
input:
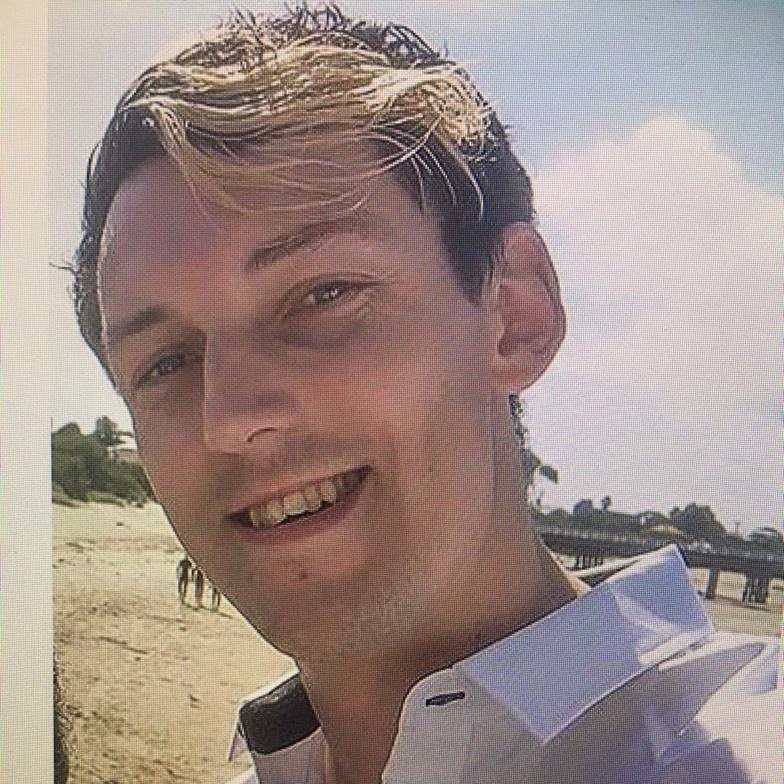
<point x="627" y="684"/>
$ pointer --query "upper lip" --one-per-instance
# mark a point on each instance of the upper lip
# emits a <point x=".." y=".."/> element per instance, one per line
<point x="259" y="497"/>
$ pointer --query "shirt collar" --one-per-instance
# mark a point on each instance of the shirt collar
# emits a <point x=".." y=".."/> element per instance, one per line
<point x="546" y="675"/>
<point x="569" y="660"/>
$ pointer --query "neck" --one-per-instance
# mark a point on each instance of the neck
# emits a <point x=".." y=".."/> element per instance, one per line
<point x="358" y="715"/>
<point x="511" y="582"/>
<point x="358" y="702"/>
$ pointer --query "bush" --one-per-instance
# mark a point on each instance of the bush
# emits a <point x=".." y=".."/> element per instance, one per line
<point x="70" y="473"/>
<point x="84" y="469"/>
<point x="119" y="479"/>
<point x="59" y="496"/>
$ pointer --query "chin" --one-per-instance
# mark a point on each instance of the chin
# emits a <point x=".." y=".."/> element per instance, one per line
<point x="328" y="624"/>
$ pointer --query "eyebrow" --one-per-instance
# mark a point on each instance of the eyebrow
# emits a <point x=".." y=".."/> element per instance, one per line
<point x="305" y="237"/>
<point x="277" y="250"/>
<point x="138" y="322"/>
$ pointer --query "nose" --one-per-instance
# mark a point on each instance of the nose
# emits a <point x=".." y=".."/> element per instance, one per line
<point x="248" y="399"/>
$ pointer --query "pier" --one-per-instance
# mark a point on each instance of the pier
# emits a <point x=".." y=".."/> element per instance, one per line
<point x="590" y="547"/>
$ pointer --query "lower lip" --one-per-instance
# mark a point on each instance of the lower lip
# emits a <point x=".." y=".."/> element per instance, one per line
<point x="304" y="527"/>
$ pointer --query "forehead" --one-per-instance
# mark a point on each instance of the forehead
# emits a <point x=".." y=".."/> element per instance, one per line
<point x="293" y="184"/>
<point x="158" y="221"/>
<point x="284" y="184"/>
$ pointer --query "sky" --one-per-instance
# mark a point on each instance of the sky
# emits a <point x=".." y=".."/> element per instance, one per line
<point x="654" y="135"/>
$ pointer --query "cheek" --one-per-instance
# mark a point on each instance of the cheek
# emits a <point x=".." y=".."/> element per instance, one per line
<point x="172" y="452"/>
<point x="424" y="385"/>
<point x="438" y="377"/>
<point x="432" y="346"/>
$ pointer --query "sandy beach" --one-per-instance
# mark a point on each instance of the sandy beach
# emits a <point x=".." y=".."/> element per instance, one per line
<point x="152" y="685"/>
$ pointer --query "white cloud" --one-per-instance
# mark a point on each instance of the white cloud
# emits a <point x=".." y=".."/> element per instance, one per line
<point x="670" y="262"/>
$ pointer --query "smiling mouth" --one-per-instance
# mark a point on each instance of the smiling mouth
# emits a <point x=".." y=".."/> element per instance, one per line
<point x="301" y="503"/>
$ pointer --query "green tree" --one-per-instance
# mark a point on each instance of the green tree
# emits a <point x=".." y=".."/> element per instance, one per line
<point x="698" y="522"/>
<point x="83" y="465"/>
<point x="532" y="465"/>
<point x="70" y="473"/>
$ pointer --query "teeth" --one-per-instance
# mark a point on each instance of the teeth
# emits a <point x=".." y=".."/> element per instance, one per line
<point x="257" y="517"/>
<point x="328" y="490"/>
<point x="309" y="499"/>
<point x="312" y="498"/>
<point x="274" y="511"/>
<point x="294" y="503"/>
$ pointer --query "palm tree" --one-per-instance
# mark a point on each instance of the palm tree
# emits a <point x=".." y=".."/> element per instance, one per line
<point x="108" y="434"/>
<point x="533" y="467"/>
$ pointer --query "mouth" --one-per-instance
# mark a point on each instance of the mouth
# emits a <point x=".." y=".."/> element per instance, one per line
<point x="301" y="503"/>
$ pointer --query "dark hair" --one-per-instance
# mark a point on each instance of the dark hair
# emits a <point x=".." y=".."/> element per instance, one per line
<point x="475" y="183"/>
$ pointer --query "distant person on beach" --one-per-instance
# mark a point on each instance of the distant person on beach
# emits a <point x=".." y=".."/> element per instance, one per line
<point x="198" y="587"/>
<point x="183" y="577"/>
<point x="215" y="597"/>
<point x="311" y="266"/>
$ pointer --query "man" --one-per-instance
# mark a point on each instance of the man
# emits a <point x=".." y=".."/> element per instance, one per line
<point x="311" y="267"/>
<point x="215" y="598"/>
<point x="198" y="587"/>
<point x="184" y="568"/>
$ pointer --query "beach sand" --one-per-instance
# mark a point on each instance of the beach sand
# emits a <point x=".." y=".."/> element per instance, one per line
<point x="153" y="686"/>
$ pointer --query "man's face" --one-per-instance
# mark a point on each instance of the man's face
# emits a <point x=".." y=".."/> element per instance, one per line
<point x="272" y="363"/>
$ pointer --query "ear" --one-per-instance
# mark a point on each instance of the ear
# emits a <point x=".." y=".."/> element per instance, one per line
<point x="531" y="316"/>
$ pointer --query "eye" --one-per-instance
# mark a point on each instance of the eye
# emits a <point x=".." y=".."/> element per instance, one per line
<point x="165" y="366"/>
<point x="327" y="293"/>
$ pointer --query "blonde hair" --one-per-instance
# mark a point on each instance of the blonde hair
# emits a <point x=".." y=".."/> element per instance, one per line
<point x="218" y="104"/>
<point x="256" y="104"/>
